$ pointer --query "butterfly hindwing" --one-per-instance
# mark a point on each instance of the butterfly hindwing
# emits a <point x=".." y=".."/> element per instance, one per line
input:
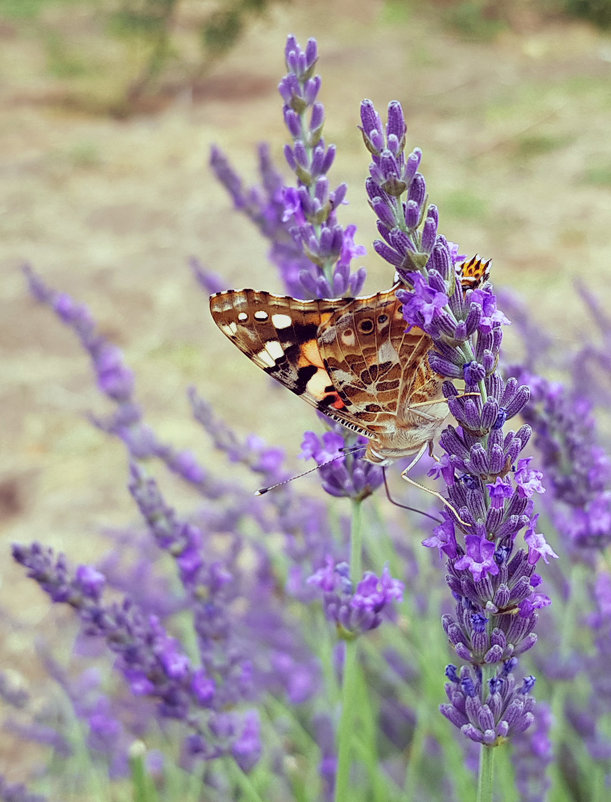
<point x="371" y="358"/>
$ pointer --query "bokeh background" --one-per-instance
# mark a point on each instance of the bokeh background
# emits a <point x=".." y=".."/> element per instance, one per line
<point x="108" y="110"/>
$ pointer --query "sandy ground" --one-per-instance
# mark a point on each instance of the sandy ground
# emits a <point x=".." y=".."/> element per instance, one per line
<point x="515" y="133"/>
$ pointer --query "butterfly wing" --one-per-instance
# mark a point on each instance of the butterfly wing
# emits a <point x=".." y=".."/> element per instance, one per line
<point x="376" y="365"/>
<point x="473" y="274"/>
<point x="279" y="334"/>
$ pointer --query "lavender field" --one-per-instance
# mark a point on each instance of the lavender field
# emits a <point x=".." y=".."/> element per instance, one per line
<point x="167" y="634"/>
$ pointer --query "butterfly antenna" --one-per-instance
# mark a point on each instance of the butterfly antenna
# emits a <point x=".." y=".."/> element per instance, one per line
<point x="404" y="506"/>
<point x="352" y="449"/>
<point x="262" y="490"/>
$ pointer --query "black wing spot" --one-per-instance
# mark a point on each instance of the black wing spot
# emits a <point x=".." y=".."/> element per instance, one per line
<point x="304" y="375"/>
<point x="366" y="326"/>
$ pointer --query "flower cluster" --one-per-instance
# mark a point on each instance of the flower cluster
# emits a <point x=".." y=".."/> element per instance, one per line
<point x="491" y="499"/>
<point x="151" y="661"/>
<point x="342" y="471"/>
<point x="358" y="610"/>
<point x="312" y="250"/>
<point x="488" y="714"/>
<point x="577" y="467"/>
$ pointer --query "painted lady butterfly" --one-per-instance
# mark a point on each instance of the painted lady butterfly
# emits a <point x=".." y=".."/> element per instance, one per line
<point x="351" y="358"/>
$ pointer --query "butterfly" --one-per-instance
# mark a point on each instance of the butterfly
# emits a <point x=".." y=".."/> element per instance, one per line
<point x="351" y="358"/>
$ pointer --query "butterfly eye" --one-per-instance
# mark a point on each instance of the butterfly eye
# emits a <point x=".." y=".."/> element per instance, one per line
<point x="366" y="326"/>
<point x="382" y="319"/>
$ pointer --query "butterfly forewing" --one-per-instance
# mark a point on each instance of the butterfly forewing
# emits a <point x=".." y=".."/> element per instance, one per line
<point x="280" y="335"/>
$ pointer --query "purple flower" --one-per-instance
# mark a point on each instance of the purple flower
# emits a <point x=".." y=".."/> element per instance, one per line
<point x="247" y="746"/>
<point x="499" y="491"/>
<point x="343" y="473"/>
<point x="312" y="251"/>
<point x="423" y="304"/>
<point x="374" y="593"/>
<point x="487" y="715"/>
<point x="91" y="582"/>
<point x="127" y="633"/>
<point x="115" y="380"/>
<point x="152" y="662"/>
<point x="443" y="537"/>
<point x="479" y="558"/>
<point x="493" y="585"/>
<point x="537" y="545"/>
<point x="355" y="612"/>
<point x="528" y="480"/>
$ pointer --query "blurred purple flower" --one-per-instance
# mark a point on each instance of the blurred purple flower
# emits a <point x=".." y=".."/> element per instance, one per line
<point x="532" y="756"/>
<point x="360" y="610"/>
<point x="343" y="473"/>
<point x="17" y="792"/>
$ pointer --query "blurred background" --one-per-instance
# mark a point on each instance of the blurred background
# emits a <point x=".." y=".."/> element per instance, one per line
<point x="108" y="109"/>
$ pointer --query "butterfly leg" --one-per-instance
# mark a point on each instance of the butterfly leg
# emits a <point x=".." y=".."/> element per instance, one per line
<point x="404" y="506"/>
<point x="409" y="480"/>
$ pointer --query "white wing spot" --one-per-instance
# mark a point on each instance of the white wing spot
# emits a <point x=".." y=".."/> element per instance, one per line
<point x="243" y="317"/>
<point x="274" y="349"/>
<point x="281" y="321"/>
<point x="387" y="353"/>
<point x="261" y="314"/>
<point x="265" y="359"/>
<point x="348" y="337"/>
<point x="229" y="328"/>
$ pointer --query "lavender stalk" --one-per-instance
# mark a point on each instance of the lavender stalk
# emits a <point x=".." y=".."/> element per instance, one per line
<point x="496" y="590"/>
<point x="350" y="702"/>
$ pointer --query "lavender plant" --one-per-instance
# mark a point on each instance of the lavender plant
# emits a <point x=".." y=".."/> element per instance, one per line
<point x="494" y="583"/>
<point x="288" y="646"/>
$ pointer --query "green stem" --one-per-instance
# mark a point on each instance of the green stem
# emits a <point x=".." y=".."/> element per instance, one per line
<point x="558" y="733"/>
<point x="244" y="783"/>
<point x="350" y="678"/>
<point x="142" y="783"/>
<point x="486" y="755"/>
<point x="356" y="542"/>
<point x="486" y="773"/>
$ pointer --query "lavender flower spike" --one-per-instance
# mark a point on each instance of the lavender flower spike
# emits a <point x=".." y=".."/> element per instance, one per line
<point x="492" y="581"/>
<point x="311" y="206"/>
<point x="116" y="381"/>
<point x="359" y="610"/>
<point x="311" y="249"/>
<point x="152" y="663"/>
